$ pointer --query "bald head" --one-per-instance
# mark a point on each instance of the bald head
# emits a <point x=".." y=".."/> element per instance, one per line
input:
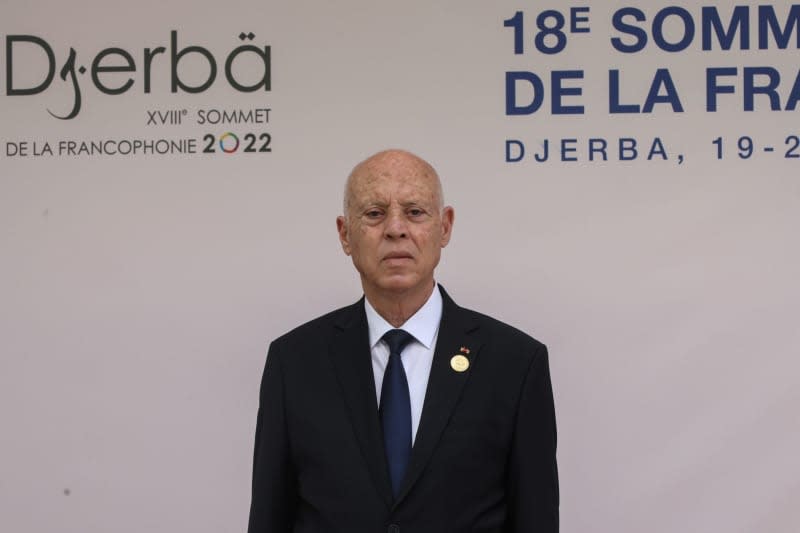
<point x="394" y="164"/>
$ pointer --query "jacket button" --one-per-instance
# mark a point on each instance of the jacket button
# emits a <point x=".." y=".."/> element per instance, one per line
<point x="394" y="528"/>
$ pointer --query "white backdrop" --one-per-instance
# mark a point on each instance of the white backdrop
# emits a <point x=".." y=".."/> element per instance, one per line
<point x="138" y="293"/>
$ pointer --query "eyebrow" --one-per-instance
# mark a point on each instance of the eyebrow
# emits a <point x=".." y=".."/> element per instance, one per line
<point x="383" y="203"/>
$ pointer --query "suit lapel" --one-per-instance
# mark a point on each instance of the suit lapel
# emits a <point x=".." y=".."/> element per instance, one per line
<point x="351" y="358"/>
<point x="457" y="329"/>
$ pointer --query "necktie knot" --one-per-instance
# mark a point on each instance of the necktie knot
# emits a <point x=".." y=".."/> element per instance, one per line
<point x="397" y="339"/>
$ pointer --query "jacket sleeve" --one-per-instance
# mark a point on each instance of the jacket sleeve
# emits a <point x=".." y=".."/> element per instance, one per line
<point x="274" y="491"/>
<point x="533" y="473"/>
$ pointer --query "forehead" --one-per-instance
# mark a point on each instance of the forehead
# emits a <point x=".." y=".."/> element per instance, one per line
<point x="387" y="176"/>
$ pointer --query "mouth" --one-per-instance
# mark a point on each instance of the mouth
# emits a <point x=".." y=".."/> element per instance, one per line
<point x="397" y="256"/>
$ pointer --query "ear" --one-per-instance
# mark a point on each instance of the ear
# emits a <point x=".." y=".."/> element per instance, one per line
<point x="448" y="216"/>
<point x="341" y="228"/>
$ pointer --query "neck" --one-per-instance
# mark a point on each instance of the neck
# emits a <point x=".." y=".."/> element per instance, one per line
<point x="397" y="307"/>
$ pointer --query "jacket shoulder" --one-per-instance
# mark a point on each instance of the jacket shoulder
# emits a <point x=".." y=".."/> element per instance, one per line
<point x="499" y="333"/>
<point x="503" y="332"/>
<point x="503" y="335"/>
<point x="319" y="328"/>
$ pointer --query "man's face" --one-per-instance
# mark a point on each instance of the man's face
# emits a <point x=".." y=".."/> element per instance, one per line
<point x="395" y="229"/>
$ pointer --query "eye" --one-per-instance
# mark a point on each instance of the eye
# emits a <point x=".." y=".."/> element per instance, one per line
<point x="373" y="213"/>
<point x="415" y="212"/>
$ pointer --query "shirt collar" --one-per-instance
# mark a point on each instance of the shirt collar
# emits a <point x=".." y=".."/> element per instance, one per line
<point x="423" y="324"/>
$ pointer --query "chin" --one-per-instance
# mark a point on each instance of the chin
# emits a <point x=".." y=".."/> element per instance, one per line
<point x="400" y="283"/>
<point x="395" y="280"/>
<point x="396" y="286"/>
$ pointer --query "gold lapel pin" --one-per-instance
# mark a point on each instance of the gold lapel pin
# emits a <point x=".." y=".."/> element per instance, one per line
<point x="459" y="363"/>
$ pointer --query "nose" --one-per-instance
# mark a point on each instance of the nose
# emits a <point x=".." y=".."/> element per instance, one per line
<point x="396" y="225"/>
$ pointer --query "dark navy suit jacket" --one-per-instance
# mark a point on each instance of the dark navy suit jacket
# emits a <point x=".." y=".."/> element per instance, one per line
<point x="484" y="458"/>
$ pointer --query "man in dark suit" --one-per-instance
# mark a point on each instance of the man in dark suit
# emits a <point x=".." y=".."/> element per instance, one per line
<point x="403" y="412"/>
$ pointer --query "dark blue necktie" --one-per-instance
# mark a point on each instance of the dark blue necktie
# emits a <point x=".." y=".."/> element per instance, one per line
<point x="395" y="409"/>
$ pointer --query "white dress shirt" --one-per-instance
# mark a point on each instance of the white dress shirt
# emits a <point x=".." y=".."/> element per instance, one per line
<point x="417" y="356"/>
